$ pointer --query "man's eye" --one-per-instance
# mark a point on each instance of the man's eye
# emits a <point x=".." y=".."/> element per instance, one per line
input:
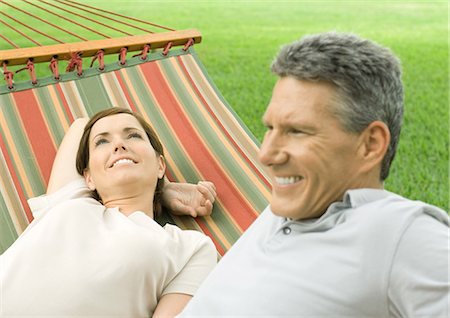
<point x="296" y="132"/>
<point x="101" y="141"/>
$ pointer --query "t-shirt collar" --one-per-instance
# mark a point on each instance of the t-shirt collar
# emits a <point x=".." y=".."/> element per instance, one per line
<point x="357" y="197"/>
<point x="352" y="199"/>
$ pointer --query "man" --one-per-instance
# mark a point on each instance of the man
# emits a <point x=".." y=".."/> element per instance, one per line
<point x="333" y="243"/>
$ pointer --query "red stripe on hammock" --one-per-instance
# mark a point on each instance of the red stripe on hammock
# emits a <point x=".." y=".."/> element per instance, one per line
<point x="232" y="199"/>
<point x="16" y="181"/>
<point x="125" y="90"/>
<point x="210" y="111"/>
<point x="36" y="130"/>
<point x="217" y="242"/>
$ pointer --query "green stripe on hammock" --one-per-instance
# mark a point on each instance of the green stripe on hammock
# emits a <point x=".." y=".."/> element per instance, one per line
<point x="9" y="234"/>
<point x="203" y="137"/>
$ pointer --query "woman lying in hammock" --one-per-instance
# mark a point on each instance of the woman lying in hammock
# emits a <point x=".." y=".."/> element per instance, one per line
<point x="107" y="256"/>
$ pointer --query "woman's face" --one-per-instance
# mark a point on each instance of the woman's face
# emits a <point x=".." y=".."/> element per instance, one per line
<point x="121" y="158"/>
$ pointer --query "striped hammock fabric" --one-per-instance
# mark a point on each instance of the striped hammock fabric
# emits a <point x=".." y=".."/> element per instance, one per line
<point x="204" y="138"/>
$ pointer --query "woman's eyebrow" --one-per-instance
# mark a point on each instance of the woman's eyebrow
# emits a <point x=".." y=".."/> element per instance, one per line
<point x="102" y="134"/>
<point x="126" y="129"/>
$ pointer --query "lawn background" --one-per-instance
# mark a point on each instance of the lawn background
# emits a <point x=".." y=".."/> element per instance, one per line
<point x="240" y="39"/>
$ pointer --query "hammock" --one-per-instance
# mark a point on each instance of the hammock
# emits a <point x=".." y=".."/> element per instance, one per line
<point x="165" y="82"/>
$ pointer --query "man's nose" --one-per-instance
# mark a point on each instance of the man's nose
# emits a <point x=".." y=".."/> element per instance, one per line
<point x="272" y="150"/>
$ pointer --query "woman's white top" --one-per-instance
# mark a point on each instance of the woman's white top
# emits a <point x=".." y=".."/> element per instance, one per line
<point x="79" y="258"/>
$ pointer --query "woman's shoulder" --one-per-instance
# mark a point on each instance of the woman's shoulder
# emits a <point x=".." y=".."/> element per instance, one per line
<point x="73" y="190"/>
<point x="174" y="230"/>
<point x="188" y="236"/>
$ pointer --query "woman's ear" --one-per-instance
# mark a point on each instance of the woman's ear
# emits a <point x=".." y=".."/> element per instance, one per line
<point x="88" y="178"/>
<point x="374" y="144"/>
<point x="161" y="167"/>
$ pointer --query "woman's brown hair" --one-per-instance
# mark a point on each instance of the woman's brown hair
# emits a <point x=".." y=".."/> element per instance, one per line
<point x="82" y="160"/>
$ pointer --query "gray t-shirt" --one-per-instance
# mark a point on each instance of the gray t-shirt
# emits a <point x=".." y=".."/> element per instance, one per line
<point x="375" y="254"/>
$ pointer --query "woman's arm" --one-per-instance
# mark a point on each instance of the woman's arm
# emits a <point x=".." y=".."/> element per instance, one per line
<point x="64" y="170"/>
<point x="171" y="305"/>
<point x="189" y="199"/>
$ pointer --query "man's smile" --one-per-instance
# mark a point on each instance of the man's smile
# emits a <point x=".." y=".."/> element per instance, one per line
<point x="288" y="180"/>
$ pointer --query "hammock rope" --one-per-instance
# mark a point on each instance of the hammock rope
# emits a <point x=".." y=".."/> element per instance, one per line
<point x="33" y="29"/>
<point x="46" y="21"/>
<point x="74" y="52"/>
<point x="8" y="76"/>
<point x="144" y="52"/>
<point x="42" y="20"/>
<point x="167" y="48"/>
<point x="54" y="68"/>
<point x="61" y="17"/>
<point x="75" y="62"/>
<point x="75" y="56"/>
<point x="123" y="16"/>
<point x="100" y="55"/>
<point x="123" y="56"/>
<point x="188" y="44"/>
<point x="31" y="71"/>
<point x="20" y="32"/>
<point x="77" y="6"/>
<point x="89" y="19"/>
<point x="6" y="39"/>
<point x="106" y="17"/>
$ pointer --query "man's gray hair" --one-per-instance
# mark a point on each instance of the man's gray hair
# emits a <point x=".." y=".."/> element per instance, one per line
<point x="367" y="77"/>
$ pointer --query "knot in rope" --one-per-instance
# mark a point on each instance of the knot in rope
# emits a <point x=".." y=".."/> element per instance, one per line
<point x="123" y="56"/>
<point x="188" y="44"/>
<point x="100" y="55"/>
<point x="54" y="68"/>
<point x="8" y="76"/>
<point x="167" y="48"/>
<point x="75" y="62"/>
<point x="144" y="52"/>
<point x="30" y="68"/>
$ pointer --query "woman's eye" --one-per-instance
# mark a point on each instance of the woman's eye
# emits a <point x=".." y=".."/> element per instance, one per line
<point x="135" y="135"/>
<point x="100" y="141"/>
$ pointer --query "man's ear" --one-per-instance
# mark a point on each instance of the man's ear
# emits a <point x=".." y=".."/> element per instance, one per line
<point x="88" y="178"/>
<point x="161" y="167"/>
<point x="375" y="141"/>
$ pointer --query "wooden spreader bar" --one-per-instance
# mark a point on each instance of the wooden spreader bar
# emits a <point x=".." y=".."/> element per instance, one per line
<point x="90" y="48"/>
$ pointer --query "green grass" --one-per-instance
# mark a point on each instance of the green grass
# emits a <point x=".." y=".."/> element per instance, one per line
<point x="240" y="39"/>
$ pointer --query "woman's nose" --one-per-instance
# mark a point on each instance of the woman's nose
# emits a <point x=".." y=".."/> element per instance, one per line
<point x="119" y="148"/>
<point x="119" y="145"/>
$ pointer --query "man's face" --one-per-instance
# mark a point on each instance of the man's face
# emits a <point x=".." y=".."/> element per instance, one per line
<point x="312" y="161"/>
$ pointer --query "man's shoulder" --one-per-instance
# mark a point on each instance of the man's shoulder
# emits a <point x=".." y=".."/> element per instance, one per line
<point x="377" y="203"/>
